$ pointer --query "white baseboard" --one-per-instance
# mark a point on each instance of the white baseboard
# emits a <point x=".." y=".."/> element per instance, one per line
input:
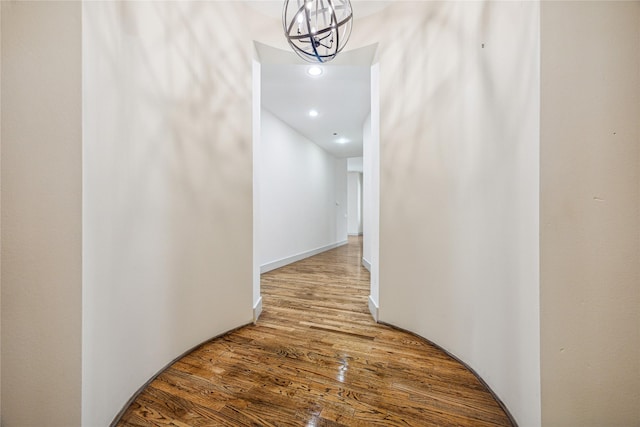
<point x="295" y="258"/>
<point x="366" y="264"/>
<point x="355" y="234"/>
<point x="257" y="310"/>
<point x="373" y="308"/>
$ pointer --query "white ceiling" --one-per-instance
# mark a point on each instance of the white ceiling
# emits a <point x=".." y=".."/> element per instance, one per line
<point x="341" y="95"/>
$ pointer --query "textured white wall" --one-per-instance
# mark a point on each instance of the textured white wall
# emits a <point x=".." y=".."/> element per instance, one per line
<point x="303" y="193"/>
<point x="167" y="188"/>
<point x="459" y="141"/>
<point x="41" y="213"/>
<point x="590" y="214"/>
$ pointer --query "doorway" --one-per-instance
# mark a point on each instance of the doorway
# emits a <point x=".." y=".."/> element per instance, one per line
<point x="308" y="121"/>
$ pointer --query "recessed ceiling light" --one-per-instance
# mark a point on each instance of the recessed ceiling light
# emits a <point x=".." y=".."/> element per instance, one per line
<point x="313" y="113"/>
<point x="342" y="140"/>
<point x="314" y="71"/>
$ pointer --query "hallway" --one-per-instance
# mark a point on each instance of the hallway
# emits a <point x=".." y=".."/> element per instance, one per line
<point x="316" y="358"/>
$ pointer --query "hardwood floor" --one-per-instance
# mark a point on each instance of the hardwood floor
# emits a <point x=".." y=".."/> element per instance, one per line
<point x="316" y="358"/>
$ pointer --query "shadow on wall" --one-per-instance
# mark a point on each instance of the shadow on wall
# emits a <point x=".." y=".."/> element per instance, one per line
<point x="459" y="142"/>
<point x="168" y="187"/>
<point x="180" y="112"/>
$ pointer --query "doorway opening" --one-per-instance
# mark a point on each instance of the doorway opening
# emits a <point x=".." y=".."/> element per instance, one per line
<point x="312" y="127"/>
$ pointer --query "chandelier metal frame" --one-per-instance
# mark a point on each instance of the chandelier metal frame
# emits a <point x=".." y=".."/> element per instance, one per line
<point x="317" y="30"/>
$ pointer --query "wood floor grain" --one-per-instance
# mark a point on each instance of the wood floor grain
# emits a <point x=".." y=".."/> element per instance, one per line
<point x="316" y="358"/>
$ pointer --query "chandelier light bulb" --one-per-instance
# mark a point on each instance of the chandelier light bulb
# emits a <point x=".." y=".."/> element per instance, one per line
<point x="317" y="30"/>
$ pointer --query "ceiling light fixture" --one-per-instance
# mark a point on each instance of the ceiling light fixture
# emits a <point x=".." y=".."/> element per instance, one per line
<point x="317" y="30"/>
<point x="342" y="141"/>
<point x="314" y="71"/>
<point x="313" y="113"/>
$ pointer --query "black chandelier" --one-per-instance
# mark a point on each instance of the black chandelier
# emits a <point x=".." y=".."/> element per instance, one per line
<point x="317" y="30"/>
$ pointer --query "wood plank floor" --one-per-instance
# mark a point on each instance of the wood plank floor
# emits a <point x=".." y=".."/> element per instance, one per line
<point x="316" y="358"/>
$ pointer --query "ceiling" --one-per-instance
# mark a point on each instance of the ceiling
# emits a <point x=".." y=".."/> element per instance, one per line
<point x="361" y="8"/>
<point x="341" y="95"/>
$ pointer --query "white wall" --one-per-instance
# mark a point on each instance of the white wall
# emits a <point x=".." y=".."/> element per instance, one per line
<point x="303" y="195"/>
<point x="340" y="194"/>
<point x="355" y="164"/>
<point x="374" y="161"/>
<point x="590" y="246"/>
<point x="354" y="208"/>
<point x="459" y="143"/>
<point x="355" y="167"/>
<point x="360" y="203"/>
<point x="256" y="157"/>
<point x="371" y="191"/>
<point x="367" y="192"/>
<point x="0" y="214"/>
<point x="41" y="213"/>
<point x="167" y="188"/>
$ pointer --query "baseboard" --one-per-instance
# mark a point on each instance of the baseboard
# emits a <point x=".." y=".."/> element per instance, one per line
<point x="366" y="264"/>
<point x="355" y="234"/>
<point x="257" y="310"/>
<point x="295" y="258"/>
<point x="373" y="308"/>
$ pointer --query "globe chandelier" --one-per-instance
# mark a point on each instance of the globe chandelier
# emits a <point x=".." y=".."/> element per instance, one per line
<point x="317" y="30"/>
